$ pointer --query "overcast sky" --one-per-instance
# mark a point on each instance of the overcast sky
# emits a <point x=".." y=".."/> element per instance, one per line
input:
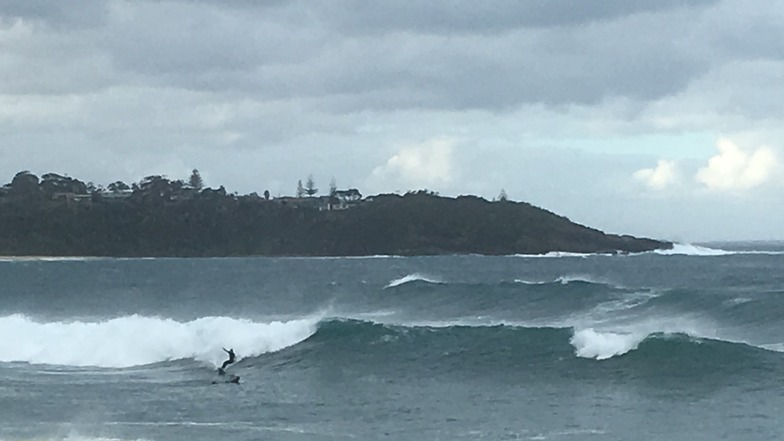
<point x="658" y="118"/>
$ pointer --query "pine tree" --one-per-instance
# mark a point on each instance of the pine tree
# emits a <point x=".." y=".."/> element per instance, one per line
<point x="195" y="180"/>
<point x="310" y="186"/>
<point x="300" y="189"/>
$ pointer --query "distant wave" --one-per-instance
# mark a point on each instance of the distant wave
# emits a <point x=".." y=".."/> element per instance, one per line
<point x="568" y="254"/>
<point x="360" y="257"/>
<point x="416" y="277"/>
<point x="560" y="280"/>
<point x="678" y="249"/>
<point x="560" y="254"/>
<point x="48" y="258"/>
<point x="761" y="252"/>
<point x="568" y="279"/>
<point x="699" y="250"/>
<point x="138" y="340"/>
<point x="530" y="282"/>
<point x="580" y="278"/>
<point x="692" y="250"/>
<point x="686" y="249"/>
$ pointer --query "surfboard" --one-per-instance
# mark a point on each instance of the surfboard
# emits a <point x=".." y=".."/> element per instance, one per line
<point x="231" y="379"/>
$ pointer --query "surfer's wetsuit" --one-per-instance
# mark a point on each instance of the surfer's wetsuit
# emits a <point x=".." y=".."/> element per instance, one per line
<point x="230" y="360"/>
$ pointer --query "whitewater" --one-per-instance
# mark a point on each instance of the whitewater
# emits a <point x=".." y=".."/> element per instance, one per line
<point x="681" y="344"/>
<point x="125" y="341"/>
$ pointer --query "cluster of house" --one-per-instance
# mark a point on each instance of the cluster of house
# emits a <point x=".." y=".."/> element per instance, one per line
<point x="338" y="200"/>
<point x="63" y="188"/>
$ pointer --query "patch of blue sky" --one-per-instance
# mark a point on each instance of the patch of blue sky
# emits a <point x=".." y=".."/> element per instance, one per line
<point x="675" y="146"/>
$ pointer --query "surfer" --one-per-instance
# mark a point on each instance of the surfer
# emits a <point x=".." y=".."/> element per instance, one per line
<point x="230" y="360"/>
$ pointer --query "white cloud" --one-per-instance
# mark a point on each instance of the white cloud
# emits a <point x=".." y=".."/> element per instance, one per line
<point x="736" y="169"/>
<point x="428" y="163"/>
<point x="660" y="177"/>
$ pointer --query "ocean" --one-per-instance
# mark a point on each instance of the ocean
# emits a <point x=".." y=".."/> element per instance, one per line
<point x="686" y="344"/>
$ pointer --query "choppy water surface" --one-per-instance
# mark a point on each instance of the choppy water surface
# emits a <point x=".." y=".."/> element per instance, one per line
<point x="682" y="345"/>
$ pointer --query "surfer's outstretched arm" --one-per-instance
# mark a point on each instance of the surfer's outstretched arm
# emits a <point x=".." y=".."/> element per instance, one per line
<point x="231" y="358"/>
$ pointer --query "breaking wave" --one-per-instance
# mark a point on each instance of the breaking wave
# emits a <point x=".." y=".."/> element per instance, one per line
<point x="416" y="277"/>
<point x="363" y="345"/>
<point x="138" y="340"/>
<point x="693" y="250"/>
<point x="589" y="343"/>
<point x="505" y="346"/>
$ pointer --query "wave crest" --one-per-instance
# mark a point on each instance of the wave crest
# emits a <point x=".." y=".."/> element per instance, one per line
<point x="416" y="277"/>
<point x="693" y="250"/>
<point x="138" y="340"/>
<point x="589" y="343"/>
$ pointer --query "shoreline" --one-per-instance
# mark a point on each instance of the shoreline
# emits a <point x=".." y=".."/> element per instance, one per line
<point x="547" y="255"/>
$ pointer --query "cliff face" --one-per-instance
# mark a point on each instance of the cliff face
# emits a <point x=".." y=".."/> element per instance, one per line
<point x="215" y="224"/>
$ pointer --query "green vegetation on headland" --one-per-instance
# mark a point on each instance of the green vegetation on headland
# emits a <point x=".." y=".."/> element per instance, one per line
<point x="61" y="216"/>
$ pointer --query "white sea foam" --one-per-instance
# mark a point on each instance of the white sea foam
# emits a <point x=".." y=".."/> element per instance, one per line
<point x="761" y="253"/>
<point x="607" y="342"/>
<point x="529" y="282"/>
<point x="361" y="257"/>
<point x="589" y="343"/>
<point x="559" y="254"/>
<point x="579" y="278"/>
<point x="693" y="250"/>
<point x="567" y="254"/>
<point x="137" y="340"/>
<point x="412" y="278"/>
<point x="567" y="279"/>
<point x="679" y="249"/>
<point x="48" y="258"/>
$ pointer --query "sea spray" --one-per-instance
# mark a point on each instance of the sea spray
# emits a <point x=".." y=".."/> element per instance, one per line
<point x="589" y="343"/>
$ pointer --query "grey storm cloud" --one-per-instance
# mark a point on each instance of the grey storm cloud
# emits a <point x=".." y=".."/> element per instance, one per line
<point x="77" y="13"/>
<point x="736" y="31"/>
<point x="461" y="16"/>
<point x="349" y="56"/>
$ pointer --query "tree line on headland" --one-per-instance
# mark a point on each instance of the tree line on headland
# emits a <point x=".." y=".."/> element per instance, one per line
<point x="57" y="215"/>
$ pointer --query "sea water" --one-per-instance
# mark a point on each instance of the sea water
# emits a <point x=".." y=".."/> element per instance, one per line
<point x="680" y="345"/>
